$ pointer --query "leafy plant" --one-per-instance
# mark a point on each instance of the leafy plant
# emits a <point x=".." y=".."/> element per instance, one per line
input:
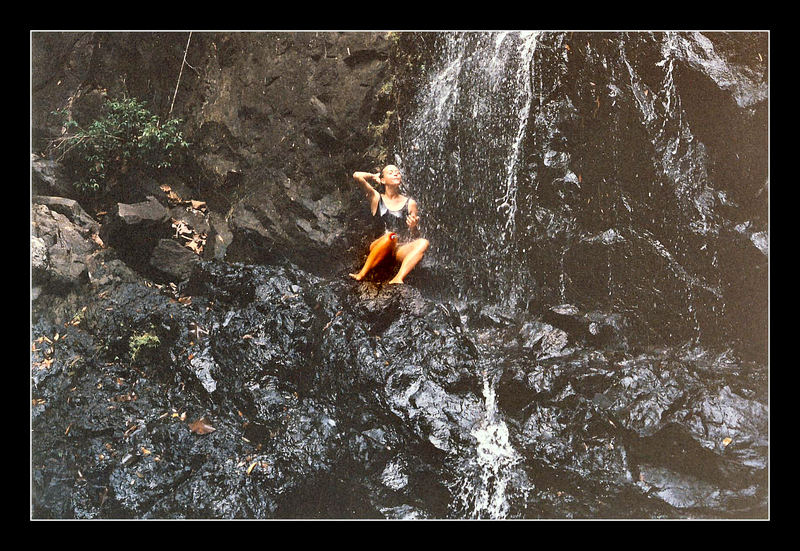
<point x="126" y="135"/>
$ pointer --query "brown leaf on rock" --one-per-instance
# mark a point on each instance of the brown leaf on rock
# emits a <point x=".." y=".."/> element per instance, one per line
<point x="201" y="426"/>
<point x="195" y="246"/>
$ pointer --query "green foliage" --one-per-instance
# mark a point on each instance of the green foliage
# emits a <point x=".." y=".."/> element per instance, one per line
<point x="126" y="135"/>
<point x="142" y="341"/>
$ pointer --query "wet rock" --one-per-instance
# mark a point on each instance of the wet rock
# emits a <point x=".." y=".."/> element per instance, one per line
<point x="337" y="399"/>
<point x="306" y="379"/>
<point x="594" y="328"/>
<point x="403" y="512"/>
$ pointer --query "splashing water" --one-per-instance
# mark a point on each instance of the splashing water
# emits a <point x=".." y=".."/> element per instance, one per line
<point x="486" y="488"/>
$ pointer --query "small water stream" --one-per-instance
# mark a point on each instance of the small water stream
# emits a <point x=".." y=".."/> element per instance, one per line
<point x="494" y="473"/>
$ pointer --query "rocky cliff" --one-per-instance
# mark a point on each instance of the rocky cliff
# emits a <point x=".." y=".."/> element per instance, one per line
<point x="277" y="123"/>
<point x="198" y="351"/>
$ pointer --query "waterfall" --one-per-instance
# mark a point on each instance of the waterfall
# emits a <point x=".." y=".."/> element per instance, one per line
<point x="463" y="150"/>
<point x="581" y="168"/>
<point x="470" y="130"/>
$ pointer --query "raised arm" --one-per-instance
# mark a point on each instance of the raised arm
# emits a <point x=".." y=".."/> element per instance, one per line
<point x="372" y="195"/>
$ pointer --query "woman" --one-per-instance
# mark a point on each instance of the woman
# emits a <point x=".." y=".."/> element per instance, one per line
<point x="400" y="218"/>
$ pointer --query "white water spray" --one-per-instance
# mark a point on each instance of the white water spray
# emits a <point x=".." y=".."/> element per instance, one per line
<point x="484" y="491"/>
<point x="524" y="78"/>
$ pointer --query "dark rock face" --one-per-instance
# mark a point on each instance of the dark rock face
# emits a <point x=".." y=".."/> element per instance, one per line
<point x="320" y="388"/>
<point x="590" y="348"/>
<point x="46" y="178"/>
<point x="614" y="171"/>
<point x="277" y="121"/>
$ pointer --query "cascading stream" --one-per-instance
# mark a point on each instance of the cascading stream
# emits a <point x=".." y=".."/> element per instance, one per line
<point x="524" y="152"/>
<point x="487" y="78"/>
<point x="490" y="477"/>
<point x="463" y="149"/>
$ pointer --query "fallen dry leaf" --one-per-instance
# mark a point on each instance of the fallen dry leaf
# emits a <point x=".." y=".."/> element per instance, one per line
<point x="201" y="426"/>
<point x="727" y="441"/>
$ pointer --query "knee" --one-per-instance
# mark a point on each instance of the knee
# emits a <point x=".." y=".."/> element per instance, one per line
<point x="423" y="245"/>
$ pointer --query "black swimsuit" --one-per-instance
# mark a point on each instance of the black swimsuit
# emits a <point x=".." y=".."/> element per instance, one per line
<point x="394" y="220"/>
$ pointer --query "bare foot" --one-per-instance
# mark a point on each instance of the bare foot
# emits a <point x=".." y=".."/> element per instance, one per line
<point x="395" y="282"/>
<point x="357" y="277"/>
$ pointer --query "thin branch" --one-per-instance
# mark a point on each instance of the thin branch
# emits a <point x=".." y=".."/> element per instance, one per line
<point x="179" y="75"/>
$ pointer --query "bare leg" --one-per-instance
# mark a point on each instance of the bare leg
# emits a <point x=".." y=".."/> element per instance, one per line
<point x="378" y="250"/>
<point x="409" y="255"/>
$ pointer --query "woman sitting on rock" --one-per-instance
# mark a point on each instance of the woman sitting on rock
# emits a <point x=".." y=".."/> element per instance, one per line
<point x="400" y="218"/>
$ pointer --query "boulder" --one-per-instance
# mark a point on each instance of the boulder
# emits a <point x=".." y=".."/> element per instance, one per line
<point x="173" y="260"/>
<point x="69" y="208"/>
<point x="146" y="214"/>
<point x="60" y="251"/>
<point x="135" y="229"/>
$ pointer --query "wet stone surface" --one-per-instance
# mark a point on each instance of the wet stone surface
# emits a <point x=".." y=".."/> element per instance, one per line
<point x="342" y="399"/>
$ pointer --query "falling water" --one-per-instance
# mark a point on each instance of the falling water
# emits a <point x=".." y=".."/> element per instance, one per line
<point x="508" y="202"/>
<point x="463" y="150"/>
<point x="547" y="175"/>
<point x="489" y="477"/>
<point x="471" y="126"/>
